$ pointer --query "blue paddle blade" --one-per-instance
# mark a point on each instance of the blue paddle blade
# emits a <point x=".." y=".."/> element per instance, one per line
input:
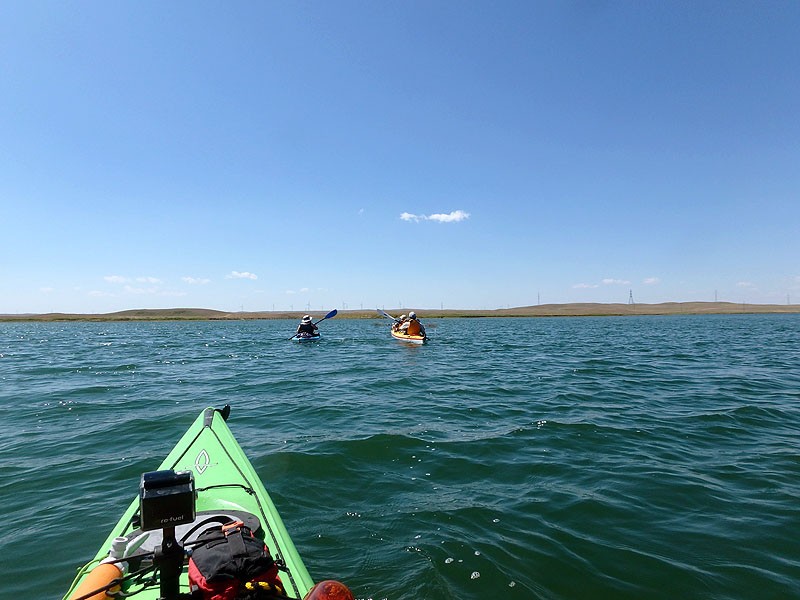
<point x="330" y="315"/>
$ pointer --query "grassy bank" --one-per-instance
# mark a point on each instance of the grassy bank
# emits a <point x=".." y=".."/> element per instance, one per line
<point x="543" y="310"/>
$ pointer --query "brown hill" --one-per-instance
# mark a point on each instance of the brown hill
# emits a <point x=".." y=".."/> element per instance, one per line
<point x="543" y="310"/>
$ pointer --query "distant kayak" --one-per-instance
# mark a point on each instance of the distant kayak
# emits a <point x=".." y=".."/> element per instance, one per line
<point x="227" y="489"/>
<point x="414" y="339"/>
<point x="307" y="331"/>
<point x="399" y="332"/>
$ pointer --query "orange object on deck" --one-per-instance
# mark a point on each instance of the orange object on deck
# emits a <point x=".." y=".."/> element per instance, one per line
<point x="97" y="579"/>
<point x="329" y="590"/>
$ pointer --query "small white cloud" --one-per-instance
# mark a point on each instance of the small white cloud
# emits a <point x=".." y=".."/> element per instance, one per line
<point x="195" y="280"/>
<point x="584" y="286"/>
<point x="360" y="211"/>
<point x="99" y="294"/>
<point x="746" y="284"/>
<point x="153" y="280"/>
<point x="46" y="290"/>
<point x="652" y="281"/>
<point x="451" y="217"/>
<point x="116" y="279"/>
<point x="241" y="275"/>
<point x="609" y="281"/>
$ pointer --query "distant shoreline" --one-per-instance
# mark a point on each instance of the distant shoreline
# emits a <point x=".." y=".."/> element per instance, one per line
<point x="543" y="310"/>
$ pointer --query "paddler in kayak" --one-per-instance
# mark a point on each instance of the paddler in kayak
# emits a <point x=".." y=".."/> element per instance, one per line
<point x="399" y="323"/>
<point x="412" y="326"/>
<point x="306" y="327"/>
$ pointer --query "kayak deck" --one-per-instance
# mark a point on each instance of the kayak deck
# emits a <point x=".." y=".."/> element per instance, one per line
<point x="307" y="338"/>
<point x="225" y="483"/>
<point x="414" y="339"/>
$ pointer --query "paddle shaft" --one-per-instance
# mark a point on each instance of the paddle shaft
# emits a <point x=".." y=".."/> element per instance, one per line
<point x="387" y="315"/>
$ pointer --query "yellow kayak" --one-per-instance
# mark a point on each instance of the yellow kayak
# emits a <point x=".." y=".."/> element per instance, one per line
<point x="414" y="339"/>
<point x="418" y="335"/>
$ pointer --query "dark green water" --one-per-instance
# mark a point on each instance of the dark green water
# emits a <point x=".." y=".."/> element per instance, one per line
<point x="651" y="457"/>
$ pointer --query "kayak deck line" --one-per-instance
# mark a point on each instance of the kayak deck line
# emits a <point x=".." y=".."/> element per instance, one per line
<point x="307" y="338"/>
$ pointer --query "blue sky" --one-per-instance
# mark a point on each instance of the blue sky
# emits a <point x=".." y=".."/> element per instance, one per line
<point x="286" y="155"/>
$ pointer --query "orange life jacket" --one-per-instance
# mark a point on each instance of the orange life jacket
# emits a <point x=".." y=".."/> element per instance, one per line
<point x="413" y="327"/>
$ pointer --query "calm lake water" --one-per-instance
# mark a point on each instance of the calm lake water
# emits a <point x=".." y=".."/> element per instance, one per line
<point x="633" y="457"/>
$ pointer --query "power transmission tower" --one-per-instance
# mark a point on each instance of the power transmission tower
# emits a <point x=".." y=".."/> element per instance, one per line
<point x="630" y="297"/>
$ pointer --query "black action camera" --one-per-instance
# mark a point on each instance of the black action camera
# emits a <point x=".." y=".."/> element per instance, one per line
<point x="166" y="499"/>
